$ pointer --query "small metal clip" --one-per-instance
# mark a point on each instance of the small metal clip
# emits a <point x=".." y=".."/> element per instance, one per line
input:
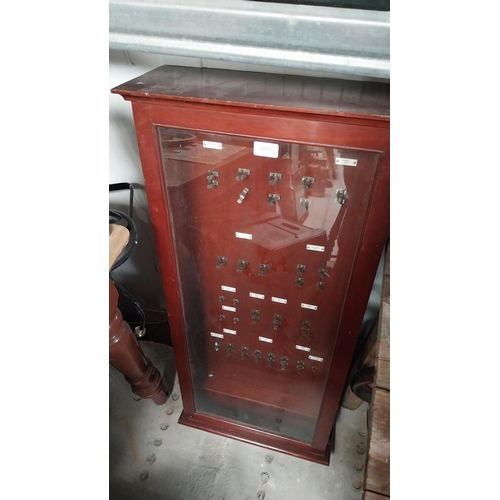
<point x="274" y="178"/>
<point x="210" y="178"/>
<point x="284" y="362"/>
<point x="307" y="182"/>
<point x="305" y="203"/>
<point x="255" y="316"/>
<point x="263" y="269"/>
<point x="242" y="195"/>
<point x="243" y="173"/>
<point x="273" y="198"/>
<point x="257" y="355"/>
<point x="341" y="196"/>
<point x="221" y="261"/>
<point x="323" y="272"/>
<point x="299" y="282"/>
<point x="301" y="268"/>
<point x="306" y="327"/>
<point x="277" y="320"/>
<point x="321" y="285"/>
<point x="271" y="358"/>
<point x="300" y="366"/>
<point x="242" y="265"/>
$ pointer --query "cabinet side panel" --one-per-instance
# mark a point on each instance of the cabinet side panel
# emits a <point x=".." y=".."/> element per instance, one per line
<point x="155" y="190"/>
<point x="375" y="234"/>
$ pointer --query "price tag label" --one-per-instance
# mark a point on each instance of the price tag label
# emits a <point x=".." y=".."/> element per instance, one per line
<point x="245" y="236"/>
<point x="316" y="248"/>
<point x="346" y="161"/>
<point x="277" y="299"/>
<point x="212" y="145"/>
<point x="315" y="358"/>
<point x="265" y="339"/>
<point x="267" y="149"/>
<point x="302" y="348"/>
<point x="309" y="306"/>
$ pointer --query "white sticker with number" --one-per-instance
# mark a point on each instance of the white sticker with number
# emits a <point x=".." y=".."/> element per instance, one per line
<point x="228" y="288"/>
<point x="218" y="335"/>
<point x="257" y="295"/>
<point x="228" y="308"/>
<point x="227" y="330"/>
<point x="267" y="149"/>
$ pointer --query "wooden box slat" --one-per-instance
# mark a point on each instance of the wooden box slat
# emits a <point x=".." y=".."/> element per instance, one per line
<point x="370" y="495"/>
<point x="378" y="462"/>
<point x="377" y="472"/>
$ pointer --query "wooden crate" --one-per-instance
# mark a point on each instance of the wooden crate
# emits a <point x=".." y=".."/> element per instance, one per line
<point x="377" y="472"/>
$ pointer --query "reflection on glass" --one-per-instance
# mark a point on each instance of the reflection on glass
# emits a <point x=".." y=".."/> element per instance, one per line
<point x="265" y="234"/>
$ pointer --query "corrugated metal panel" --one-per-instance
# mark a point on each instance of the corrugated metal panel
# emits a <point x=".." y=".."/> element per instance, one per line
<point x="305" y="37"/>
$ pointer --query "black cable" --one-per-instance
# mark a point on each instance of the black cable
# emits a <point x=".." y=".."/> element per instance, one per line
<point x="142" y="317"/>
<point x="116" y="216"/>
<point x="125" y="185"/>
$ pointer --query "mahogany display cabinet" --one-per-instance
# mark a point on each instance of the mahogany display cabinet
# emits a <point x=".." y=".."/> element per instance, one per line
<point x="269" y="200"/>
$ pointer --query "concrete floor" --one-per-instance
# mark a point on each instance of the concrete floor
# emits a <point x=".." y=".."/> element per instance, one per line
<point x="152" y="457"/>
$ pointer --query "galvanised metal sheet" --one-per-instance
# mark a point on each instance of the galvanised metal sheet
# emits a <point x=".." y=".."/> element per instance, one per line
<point x="347" y="41"/>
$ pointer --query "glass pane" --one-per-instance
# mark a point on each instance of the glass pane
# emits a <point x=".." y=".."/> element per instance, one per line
<point x="265" y="236"/>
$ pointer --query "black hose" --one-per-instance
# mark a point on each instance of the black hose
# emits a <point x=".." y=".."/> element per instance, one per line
<point x="125" y="293"/>
<point x="115" y="216"/>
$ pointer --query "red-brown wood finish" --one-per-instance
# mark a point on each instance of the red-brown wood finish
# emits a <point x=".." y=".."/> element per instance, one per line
<point x="126" y="355"/>
<point x="350" y="116"/>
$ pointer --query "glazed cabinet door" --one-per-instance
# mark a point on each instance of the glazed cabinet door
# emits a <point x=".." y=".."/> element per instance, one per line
<point x="265" y="235"/>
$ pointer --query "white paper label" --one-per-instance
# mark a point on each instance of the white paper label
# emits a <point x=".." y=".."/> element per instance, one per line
<point x="267" y="149"/>
<point x="227" y="308"/>
<point x="309" y="306"/>
<point x="302" y="348"/>
<point x="265" y="339"/>
<point x="314" y="358"/>
<point x="256" y="295"/>
<point x="218" y="335"/>
<point x="277" y="299"/>
<point x="346" y="161"/>
<point x="316" y="248"/>
<point x="226" y="330"/>
<point x="245" y="236"/>
<point x="212" y="145"/>
<point x="228" y="288"/>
